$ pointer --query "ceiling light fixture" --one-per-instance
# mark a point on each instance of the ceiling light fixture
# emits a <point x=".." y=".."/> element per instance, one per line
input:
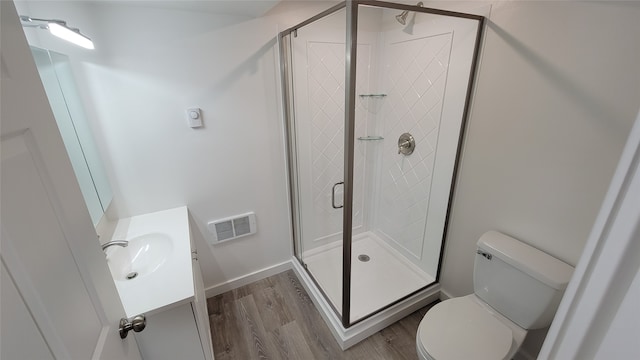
<point x="60" y="29"/>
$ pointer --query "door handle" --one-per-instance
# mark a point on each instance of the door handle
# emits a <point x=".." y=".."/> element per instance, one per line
<point x="333" y="195"/>
<point x="137" y="324"/>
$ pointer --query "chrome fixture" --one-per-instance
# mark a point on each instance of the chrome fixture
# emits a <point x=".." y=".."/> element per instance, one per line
<point x="370" y="138"/>
<point x="137" y="324"/>
<point x="60" y="29"/>
<point x="402" y="17"/>
<point x="123" y="243"/>
<point x="487" y="255"/>
<point x="406" y="144"/>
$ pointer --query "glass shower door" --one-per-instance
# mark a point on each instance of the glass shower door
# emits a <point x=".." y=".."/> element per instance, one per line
<point x="412" y="81"/>
<point x="375" y="109"/>
<point x="317" y="60"/>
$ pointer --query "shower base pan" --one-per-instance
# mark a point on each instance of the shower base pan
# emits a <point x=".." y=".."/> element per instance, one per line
<point x="372" y="288"/>
<point x="379" y="274"/>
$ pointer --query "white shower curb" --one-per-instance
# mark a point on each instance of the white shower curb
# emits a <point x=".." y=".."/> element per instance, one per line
<point x="346" y="338"/>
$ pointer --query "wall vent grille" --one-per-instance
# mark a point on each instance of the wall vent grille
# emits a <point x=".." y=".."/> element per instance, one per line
<point x="232" y="227"/>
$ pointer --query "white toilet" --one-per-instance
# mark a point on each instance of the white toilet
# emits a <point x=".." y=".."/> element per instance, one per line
<point x="516" y="288"/>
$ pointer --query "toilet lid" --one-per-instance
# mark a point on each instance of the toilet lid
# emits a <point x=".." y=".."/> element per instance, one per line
<point x="459" y="328"/>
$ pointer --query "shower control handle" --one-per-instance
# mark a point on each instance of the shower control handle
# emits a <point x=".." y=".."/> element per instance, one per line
<point x="406" y="144"/>
<point x="333" y="195"/>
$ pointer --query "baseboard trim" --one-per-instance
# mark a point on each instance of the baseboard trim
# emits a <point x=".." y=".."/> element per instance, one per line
<point x="247" y="279"/>
<point x="362" y="330"/>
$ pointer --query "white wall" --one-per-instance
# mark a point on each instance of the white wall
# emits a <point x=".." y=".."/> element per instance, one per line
<point x="149" y="66"/>
<point x="235" y="164"/>
<point x="557" y="93"/>
<point x="598" y="314"/>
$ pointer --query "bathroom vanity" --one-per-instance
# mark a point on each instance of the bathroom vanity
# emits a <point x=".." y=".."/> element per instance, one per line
<point x="158" y="275"/>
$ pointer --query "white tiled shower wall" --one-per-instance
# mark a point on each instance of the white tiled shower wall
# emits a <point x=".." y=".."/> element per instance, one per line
<point x="415" y="74"/>
<point x="326" y="77"/>
<point x="391" y="191"/>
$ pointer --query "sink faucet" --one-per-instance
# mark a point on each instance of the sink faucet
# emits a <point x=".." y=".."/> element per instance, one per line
<point x="123" y="243"/>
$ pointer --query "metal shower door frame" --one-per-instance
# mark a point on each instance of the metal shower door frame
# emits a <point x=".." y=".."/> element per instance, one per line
<point x="349" y="138"/>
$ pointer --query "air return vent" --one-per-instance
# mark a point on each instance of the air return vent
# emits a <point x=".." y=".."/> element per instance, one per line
<point x="232" y="227"/>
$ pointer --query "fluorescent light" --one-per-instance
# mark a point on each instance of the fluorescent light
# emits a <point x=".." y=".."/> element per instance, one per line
<point x="65" y="33"/>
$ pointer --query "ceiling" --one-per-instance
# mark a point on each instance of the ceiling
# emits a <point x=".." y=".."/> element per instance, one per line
<point x="251" y="8"/>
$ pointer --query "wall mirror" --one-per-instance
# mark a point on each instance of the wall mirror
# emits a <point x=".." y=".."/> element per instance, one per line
<point x="59" y="84"/>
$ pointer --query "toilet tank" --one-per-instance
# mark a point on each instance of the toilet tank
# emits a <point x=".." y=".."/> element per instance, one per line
<point x="521" y="282"/>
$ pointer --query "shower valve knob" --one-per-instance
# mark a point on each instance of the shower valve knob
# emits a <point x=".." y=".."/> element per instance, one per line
<point x="406" y="144"/>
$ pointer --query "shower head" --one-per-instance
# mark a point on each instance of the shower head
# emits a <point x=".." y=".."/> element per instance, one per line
<point x="402" y="17"/>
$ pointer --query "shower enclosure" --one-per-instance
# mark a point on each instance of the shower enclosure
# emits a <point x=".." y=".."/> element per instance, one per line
<point x="375" y="97"/>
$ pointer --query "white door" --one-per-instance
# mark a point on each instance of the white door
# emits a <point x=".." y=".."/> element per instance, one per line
<point x="58" y="298"/>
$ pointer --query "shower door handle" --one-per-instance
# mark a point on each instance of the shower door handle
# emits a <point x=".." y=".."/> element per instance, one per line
<point x="333" y="195"/>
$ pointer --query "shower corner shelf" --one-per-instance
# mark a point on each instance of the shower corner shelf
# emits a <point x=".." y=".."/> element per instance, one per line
<point x="370" y="138"/>
<point x="375" y="96"/>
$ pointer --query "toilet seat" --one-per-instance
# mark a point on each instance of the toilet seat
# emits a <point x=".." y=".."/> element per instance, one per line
<point x="460" y="328"/>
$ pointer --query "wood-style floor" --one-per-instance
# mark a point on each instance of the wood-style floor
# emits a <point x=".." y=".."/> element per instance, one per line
<point x="274" y="318"/>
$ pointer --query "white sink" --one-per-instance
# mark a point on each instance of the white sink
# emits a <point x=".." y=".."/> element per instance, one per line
<point x="159" y="251"/>
<point x="144" y="255"/>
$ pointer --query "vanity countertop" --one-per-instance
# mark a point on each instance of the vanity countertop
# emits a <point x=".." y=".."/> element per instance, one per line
<point x="171" y="282"/>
